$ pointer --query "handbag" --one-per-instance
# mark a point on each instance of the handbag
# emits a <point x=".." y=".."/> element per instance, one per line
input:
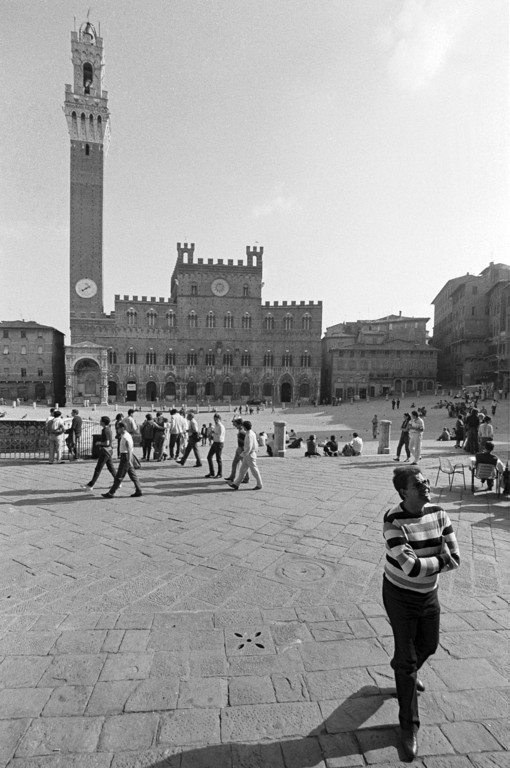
<point x="136" y="462"/>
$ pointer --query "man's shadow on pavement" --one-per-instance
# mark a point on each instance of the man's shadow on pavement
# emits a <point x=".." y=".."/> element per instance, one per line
<point x="339" y="736"/>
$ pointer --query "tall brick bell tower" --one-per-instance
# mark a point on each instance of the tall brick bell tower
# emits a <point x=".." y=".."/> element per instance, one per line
<point x="88" y="120"/>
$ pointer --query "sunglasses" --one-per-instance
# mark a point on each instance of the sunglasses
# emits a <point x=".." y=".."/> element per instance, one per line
<point x="421" y="484"/>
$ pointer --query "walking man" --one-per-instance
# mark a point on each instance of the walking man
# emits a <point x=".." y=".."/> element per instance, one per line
<point x="105" y="452"/>
<point x="420" y="544"/>
<point x="193" y="440"/>
<point x="238" y="455"/>
<point x="249" y="459"/>
<point x="125" y="464"/>
<point x="216" y="447"/>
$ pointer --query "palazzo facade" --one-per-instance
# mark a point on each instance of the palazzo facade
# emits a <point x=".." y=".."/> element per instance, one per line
<point x="212" y="338"/>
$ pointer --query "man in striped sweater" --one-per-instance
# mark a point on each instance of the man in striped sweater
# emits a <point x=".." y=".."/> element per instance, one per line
<point x="420" y="544"/>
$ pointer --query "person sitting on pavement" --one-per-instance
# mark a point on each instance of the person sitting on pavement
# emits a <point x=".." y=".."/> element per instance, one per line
<point x="445" y="434"/>
<point x="312" y="447"/>
<point x="488" y="459"/>
<point x="331" y="447"/>
<point x="355" y="447"/>
<point x="296" y="443"/>
<point x="291" y="436"/>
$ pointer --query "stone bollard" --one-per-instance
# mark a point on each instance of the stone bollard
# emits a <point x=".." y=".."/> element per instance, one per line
<point x="34" y="405"/>
<point x="384" y="437"/>
<point x="279" y="439"/>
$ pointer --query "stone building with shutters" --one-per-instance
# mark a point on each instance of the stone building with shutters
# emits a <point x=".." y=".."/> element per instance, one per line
<point x="32" y="365"/>
<point x="212" y="338"/>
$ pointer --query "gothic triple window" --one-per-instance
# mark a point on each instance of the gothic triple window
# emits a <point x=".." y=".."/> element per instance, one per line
<point x="228" y="359"/>
<point x="269" y="323"/>
<point x="288" y="322"/>
<point x="112" y="357"/>
<point x="170" y="319"/>
<point x="306" y="322"/>
<point x="192" y="357"/>
<point x="170" y="357"/>
<point x="246" y="359"/>
<point x="287" y="359"/>
<point x="131" y="316"/>
<point x="268" y="359"/>
<point x="306" y="360"/>
<point x="209" y="358"/>
<point x="246" y="320"/>
<point x="210" y="321"/>
<point x="150" y="357"/>
<point x="151" y="317"/>
<point x="192" y="320"/>
<point x="131" y="357"/>
<point x="228" y="321"/>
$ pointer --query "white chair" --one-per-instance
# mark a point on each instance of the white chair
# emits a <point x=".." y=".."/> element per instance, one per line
<point x="450" y="469"/>
<point x="488" y="472"/>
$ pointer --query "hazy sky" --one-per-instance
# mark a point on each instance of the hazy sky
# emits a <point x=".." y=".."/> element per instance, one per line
<point x="363" y="143"/>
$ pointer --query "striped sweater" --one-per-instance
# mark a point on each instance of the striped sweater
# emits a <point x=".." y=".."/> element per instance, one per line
<point x="413" y="547"/>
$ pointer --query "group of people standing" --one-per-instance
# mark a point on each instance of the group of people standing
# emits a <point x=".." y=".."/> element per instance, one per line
<point x="174" y="438"/>
<point x="61" y="433"/>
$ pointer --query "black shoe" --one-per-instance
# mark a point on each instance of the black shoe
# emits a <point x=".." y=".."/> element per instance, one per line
<point x="107" y="495"/>
<point x="397" y="459"/>
<point x="180" y="462"/>
<point x="197" y="465"/>
<point x="257" y="488"/>
<point x="246" y="480"/>
<point x="233" y="486"/>
<point x="420" y="686"/>
<point x="209" y="475"/>
<point x="136" y="493"/>
<point x="409" y="742"/>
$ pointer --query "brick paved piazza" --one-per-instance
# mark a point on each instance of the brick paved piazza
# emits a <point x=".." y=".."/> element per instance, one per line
<point x="198" y="627"/>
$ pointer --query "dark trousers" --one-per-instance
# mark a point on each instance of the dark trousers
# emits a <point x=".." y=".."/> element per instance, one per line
<point x="403" y="443"/>
<point x="192" y="446"/>
<point x="146" y="448"/>
<point x="124" y="469"/>
<point x="175" y="444"/>
<point x="414" y="619"/>
<point x="215" y="450"/>
<point x="105" y="458"/>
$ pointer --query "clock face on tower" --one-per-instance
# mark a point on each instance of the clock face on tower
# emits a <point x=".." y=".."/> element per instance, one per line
<point x="86" y="288"/>
<point x="220" y="287"/>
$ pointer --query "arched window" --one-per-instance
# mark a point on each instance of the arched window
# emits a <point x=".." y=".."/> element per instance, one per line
<point x="245" y="389"/>
<point x="269" y="323"/>
<point x="23" y="350"/>
<point x="192" y="357"/>
<point x="39" y="350"/>
<point x="209" y="358"/>
<point x="288" y="322"/>
<point x="112" y="357"/>
<point x="304" y="389"/>
<point x="228" y="359"/>
<point x="246" y="320"/>
<point x="306" y="322"/>
<point x="268" y="359"/>
<point x="306" y="360"/>
<point x="170" y="319"/>
<point x="246" y="359"/>
<point x="246" y="290"/>
<point x="228" y="321"/>
<point x="131" y="316"/>
<point x="88" y="74"/>
<point x="170" y="357"/>
<point x="192" y="320"/>
<point x="151" y="317"/>
<point x="287" y="359"/>
<point x="150" y="357"/>
<point x="210" y="321"/>
<point x="131" y="357"/>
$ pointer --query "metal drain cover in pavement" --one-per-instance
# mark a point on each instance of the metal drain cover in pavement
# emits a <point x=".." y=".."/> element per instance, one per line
<point x="300" y="571"/>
